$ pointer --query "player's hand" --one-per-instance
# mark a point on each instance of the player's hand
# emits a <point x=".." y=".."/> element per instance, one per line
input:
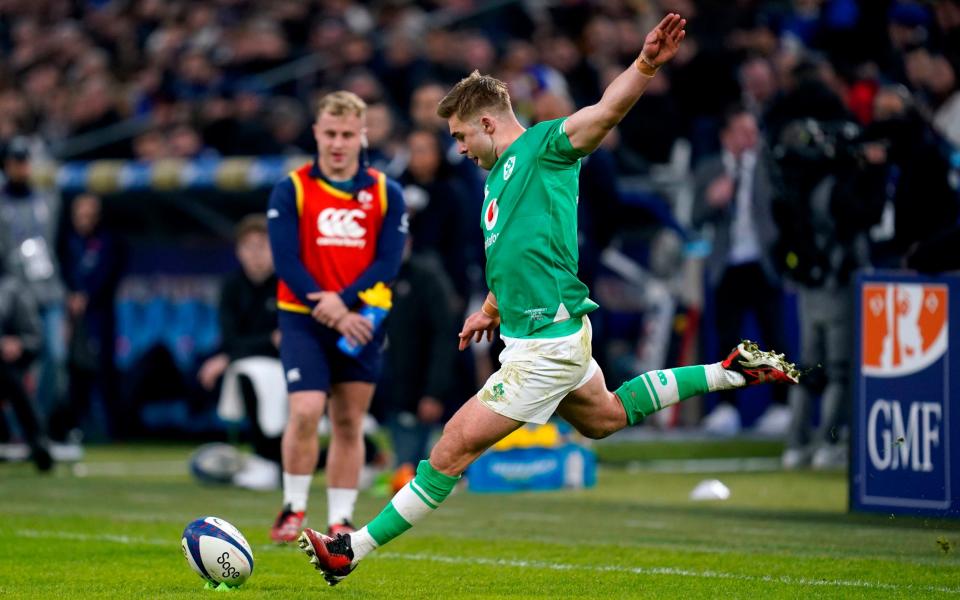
<point x="475" y="326"/>
<point x="329" y="308"/>
<point x="429" y="410"/>
<point x="355" y="328"/>
<point x="662" y="43"/>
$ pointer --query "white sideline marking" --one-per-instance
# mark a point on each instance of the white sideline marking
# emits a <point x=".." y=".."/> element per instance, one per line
<point x="152" y="468"/>
<point x="535" y="564"/>
<point x="783" y="579"/>
<point x="83" y="537"/>
<point x="706" y="465"/>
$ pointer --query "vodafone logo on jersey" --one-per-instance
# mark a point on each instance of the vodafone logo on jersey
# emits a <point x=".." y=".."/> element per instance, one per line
<point x="341" y="227"/>
<point x="904" y="327"/>
<point x="491" y="214"/>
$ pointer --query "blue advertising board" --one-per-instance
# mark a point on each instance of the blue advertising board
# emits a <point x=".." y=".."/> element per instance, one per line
<point x="536" y="468"/>
<point x="906" y="417"/>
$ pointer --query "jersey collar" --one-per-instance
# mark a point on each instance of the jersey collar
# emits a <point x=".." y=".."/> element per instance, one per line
<point x="363" y="178"/>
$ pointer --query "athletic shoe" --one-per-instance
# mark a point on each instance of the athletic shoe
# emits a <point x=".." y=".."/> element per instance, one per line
<point x="795" y="458"/>
<point x="760" y="366"/>
<point x="287" y="526"/>
<point x="775" y="421"/>
<point x="258" y="473"/>
<point x="830" y="457"/>
<point x="40" y="453"/>
<point x="723" y="421"/>
<point x="332" y="556"/>
<point x="343" y="527"/>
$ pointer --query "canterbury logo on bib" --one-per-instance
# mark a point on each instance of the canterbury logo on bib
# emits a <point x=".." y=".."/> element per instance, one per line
<point x="341" y="227"/>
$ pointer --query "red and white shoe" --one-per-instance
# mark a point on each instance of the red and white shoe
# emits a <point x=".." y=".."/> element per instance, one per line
<point x="331" y="555"/>
<point x="760" y="366"/>
<point x="287" y="526"/>
<point x="343" y="527"/>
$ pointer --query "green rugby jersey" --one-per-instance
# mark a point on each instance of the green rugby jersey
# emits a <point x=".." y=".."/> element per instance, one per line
<point x="529" y="225"/>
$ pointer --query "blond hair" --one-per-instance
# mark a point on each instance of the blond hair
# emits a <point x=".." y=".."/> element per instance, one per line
<point x="342" y="103"/>
<point x="474" y="94"/>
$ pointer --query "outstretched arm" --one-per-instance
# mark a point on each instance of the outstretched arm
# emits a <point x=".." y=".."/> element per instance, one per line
<point x="587" y="127"/>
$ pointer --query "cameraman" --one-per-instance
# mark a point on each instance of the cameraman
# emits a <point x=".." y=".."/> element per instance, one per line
<point x="831" y="195"/>
<point x="919" y="205"/>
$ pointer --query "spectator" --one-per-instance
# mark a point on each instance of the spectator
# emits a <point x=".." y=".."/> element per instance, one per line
<point x="826" y="205"/>
<point x="423" y="115"/>
<point x="733" y="194"/>
<point x="418" y="377"/>
<point x="19" y="345"/>
<point x="288" y="125"/>
<point x="384" y="150"/>
<point x="760" y="87"/>
<point x="921" y="198"/>
<point x="27" y="233"/>
<point x="441" y="219"/>
<point x="249" y="354"/>
<point x="92" y="258"/>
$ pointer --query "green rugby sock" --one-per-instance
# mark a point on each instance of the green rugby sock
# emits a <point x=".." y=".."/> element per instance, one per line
<point x="414" y="501"/>
<point x="655" y="390"/>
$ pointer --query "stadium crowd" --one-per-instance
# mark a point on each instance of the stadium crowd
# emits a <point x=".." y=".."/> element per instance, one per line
<point x="796" y="141"/>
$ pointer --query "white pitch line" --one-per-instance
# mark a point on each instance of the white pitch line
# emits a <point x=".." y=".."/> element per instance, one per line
<point x="783" y="579"/>
<point x="83" y="537"/>
<point x="550" y="566"/>
<point x="146" y="469"/>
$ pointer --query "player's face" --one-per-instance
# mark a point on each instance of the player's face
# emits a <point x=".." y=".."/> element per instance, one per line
<point x="473" y="142"/>
<point x="338" y="142"/>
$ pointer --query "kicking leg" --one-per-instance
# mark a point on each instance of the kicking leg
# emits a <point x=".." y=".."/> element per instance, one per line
<point x="593" y="410"/>
<point x="595" y="413"/>
<point x="473" y="429"/>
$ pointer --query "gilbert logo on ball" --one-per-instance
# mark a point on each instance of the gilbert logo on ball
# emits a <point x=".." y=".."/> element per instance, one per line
<point x="217" y="551"/>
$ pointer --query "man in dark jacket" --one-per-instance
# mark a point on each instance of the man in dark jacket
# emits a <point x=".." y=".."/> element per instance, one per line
<point x="417" y="381"/>
<point x="733" y="194"/>
<point x="19" y="346"/>
<point x="28" y="218"/>
<point x="248" y="328"/>
<point x="91" y="260"/>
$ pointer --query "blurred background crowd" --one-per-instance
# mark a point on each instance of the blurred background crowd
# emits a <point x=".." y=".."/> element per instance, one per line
<point x="790" y="144"/>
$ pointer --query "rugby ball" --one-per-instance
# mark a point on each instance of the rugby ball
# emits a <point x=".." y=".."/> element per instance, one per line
<point x="217" y="551"/>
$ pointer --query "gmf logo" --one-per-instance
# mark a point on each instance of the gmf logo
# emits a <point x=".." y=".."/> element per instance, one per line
<point x="904" y="327"/>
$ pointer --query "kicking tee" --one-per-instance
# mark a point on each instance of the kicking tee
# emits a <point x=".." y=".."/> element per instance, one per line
<point x="529" y="225"/>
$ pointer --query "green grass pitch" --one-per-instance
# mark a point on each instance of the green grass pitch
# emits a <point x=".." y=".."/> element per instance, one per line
<point x="115" y="533"/>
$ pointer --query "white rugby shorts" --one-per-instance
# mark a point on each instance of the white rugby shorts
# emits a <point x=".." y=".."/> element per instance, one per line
<point x="537" y="373"/>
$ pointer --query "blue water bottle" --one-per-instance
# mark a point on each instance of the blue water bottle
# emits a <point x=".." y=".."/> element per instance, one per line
<point x="377" y="302"/>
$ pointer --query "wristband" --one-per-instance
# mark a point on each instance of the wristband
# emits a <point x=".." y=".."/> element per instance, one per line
<point x="646" y="67"/>
<point x="496" y="311"/>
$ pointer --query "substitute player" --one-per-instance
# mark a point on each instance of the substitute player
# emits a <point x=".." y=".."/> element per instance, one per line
<point x="336" y="228"/>
<point x="529" y="224"/>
